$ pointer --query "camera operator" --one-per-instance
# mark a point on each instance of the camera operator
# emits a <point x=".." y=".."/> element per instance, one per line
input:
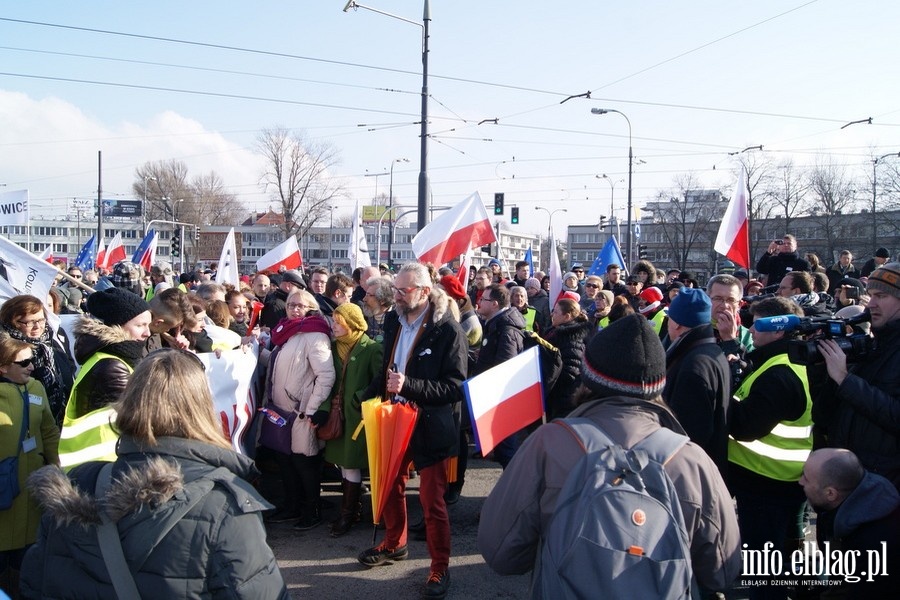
<point x="859" y="407"/>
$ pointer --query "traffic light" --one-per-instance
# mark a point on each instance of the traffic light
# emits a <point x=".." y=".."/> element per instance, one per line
<point x="486" y="249"/>
<point x="196" y="234"/>
<point x="176" y="243"/>
<point x="514" y="219"/>
<point x="642" y="251"/>
<point x="498" y="203"/>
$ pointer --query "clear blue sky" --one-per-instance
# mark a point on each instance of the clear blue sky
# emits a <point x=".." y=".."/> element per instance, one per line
<point x="698" y="80"/>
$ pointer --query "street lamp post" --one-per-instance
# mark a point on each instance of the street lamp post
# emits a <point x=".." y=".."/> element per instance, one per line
<point x="612" y="193"/>
<point x="391" y="214"/>
<point x="423" y="202"/>
<point x="144" y="204"/>
<point x="875" y="197"/>
<point x="330" y="236"/>
<point x="550" y="226"/>
<point x="603" y="111"/>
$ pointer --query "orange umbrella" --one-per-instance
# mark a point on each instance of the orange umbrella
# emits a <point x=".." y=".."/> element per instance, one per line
<point x="389" y="428"/>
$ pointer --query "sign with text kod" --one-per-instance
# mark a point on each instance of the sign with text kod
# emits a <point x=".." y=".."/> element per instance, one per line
<point x="14" y="208"/>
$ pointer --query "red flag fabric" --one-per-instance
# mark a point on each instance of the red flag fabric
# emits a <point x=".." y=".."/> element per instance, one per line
<point x="733" y="240"/>
<point x="115" y="252"/>
<point x="505" y="399"/>
<point x="286" y="253"/>
<point x="454" y="232"/>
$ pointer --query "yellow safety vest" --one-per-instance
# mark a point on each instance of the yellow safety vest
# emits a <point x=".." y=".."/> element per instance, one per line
<point x="602" y="323"/>
<point x="529" y="315"/>
<point x="656" y="321"/>
<point x="91" y="436"/>
<point x="781" y="453"/>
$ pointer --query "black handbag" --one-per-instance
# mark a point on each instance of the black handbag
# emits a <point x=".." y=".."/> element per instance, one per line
<point x="9" y="467"/>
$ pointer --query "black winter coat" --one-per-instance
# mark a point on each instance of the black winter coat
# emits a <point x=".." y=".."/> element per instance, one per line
<point x="863" y="414"/>
<point x="570" y="339"/>
<point x="216" y="550"/>
<point x="103" y="384"/>
<point x="776" y="265"/>
<point x="434" y="375"/>
<point x="501" y="339"/>
<point x="698" y="390"/>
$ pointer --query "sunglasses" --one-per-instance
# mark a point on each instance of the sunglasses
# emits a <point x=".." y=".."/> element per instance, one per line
<point x="591" y="285"/>
<point x="632" y="283"/>
<point x="24" y="363"/>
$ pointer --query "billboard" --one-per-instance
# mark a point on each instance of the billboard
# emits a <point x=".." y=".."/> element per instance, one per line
<point x="122" y="208"/>
<point x="372" y="214"/>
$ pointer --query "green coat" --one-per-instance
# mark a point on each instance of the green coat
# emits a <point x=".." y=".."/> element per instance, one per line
<point x="364" y="363"/>
<point x="19" y="523"/>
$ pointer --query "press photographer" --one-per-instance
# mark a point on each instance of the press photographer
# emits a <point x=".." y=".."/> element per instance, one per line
<point x="858" y="408"/>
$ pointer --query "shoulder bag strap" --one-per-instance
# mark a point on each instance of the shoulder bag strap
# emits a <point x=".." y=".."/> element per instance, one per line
<point x="111" y="545"/>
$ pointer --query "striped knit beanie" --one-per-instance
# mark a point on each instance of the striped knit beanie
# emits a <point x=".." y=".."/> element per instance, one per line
<point x="625" y="358"/>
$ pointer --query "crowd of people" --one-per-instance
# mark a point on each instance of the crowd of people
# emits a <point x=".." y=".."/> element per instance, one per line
<point x="768" y="437"/>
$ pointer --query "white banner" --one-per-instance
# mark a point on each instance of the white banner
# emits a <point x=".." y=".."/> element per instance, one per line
<point x="232" y="382"/>
<point x="14" y="208"/>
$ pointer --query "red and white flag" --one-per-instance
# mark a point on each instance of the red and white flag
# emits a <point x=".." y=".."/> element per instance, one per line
<point x="101" y="254"/>
<point x="733" y="240"/>
<point x="463" y="273"/>
<point x="286" y="253"/>
<point x="504" y="399"/>
<point x="115" y="252"/>
<point x="47" y="254"/>
<point x="454" y="232"/>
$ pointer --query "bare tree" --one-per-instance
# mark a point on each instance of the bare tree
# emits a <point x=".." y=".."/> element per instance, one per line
<point x="297" y="177"/>
<point x="166" y="183"/>
<point x="760" y="183"/>
<point x="790" y="195"/>
<point x="885" y="198"/>
<point x="691" y="216"/>
<point x="212" y="204"/>
<point x="831" y="193"/>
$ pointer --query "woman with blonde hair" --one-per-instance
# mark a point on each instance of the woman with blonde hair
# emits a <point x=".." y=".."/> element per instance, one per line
<point x="177" y="503"/>
<point x="300" y="379"/>
<point x="357" y="359"/>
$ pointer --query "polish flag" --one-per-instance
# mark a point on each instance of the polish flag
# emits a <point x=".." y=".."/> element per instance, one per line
<point x="463" y="273"/>
<point x="463" y="227"/>
<point x="115" y="252"/>
<point x="505" y="399"/>
<point x="733" y="240"/>
<point x="47" y="254"/>
<point x="146" y="251"/>
<point x="286" y="253"/>
<point x="101" y="254"/>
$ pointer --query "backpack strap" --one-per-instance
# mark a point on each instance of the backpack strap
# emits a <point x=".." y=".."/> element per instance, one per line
<point x="662" y="444"/>
<point x="111" y="545"/>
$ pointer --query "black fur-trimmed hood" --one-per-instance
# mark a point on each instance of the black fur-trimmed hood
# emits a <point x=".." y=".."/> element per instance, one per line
<point x="92" y="336"/>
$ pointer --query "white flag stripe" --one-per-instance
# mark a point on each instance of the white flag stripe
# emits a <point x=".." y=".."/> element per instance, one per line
<point x="227" y="271"/>
<point x="504" y="381"/>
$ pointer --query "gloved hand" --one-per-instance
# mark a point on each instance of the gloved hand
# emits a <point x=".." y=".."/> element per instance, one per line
<point x="319" y="418"/>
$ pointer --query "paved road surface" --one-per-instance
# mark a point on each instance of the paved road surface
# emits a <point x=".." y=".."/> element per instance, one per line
<point x="315" y="565"/>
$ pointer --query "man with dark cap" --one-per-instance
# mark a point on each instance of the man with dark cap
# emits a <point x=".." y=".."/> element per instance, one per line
<point x="698" y="384"/>
<point x="858" y="406"/>
<point x="881" y="256"/>
<point x="275" y="308"/>
<point x="624" y="402"/>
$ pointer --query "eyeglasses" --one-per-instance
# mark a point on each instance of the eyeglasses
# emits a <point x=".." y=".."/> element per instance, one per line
<point x="32" y="324"/>
<point x="75" y="276"/>
<point x="485" y="298"/>
<point x="633" y="283"/>
<point x="295" y="306"/>
<point x="721" y="300"/>
<point x="578" y="271"/>
<point x="591" y="285"/>
<point x="24" y="363"/>
<point x="402" y="292"/>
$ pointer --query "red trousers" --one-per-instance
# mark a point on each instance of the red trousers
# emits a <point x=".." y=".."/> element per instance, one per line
<point x="432" y="486"/>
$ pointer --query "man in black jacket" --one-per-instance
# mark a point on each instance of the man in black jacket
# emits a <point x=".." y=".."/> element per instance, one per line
<point x="858" y="405"/>
<point x="698" y="379"/>
<point x="501" y="340"/>
<point x="781" y="257"/>
<point x="424" y="363"/>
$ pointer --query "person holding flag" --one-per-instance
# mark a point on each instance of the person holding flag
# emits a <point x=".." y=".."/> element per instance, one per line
<point x="424" y="363"/>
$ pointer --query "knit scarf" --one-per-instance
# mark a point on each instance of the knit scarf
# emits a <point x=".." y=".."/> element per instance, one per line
<point x="45" y="369"/>
<point x="345" y="344"/>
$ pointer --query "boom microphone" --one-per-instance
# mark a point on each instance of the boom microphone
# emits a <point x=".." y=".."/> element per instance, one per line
<point x="779" y="323"/>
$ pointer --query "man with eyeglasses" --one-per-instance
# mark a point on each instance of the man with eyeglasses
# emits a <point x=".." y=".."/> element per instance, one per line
<point x="634" y="286"/>
<point x="501" y="340"/>
<point x="425" y="361"/>
<point x="733" y="338"/>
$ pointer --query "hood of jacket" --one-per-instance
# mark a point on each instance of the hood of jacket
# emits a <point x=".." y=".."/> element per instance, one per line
<point x="571" y="330"/>
<point x="874" y="498"/>
<point x="143" y="480"/>
<point x="93" y="336"/>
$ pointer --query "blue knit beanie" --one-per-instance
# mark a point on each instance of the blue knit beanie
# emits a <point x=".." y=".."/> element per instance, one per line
<point x="690" y="308"/>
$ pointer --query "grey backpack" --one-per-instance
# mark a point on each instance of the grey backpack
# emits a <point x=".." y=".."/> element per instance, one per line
<point x="617" y="530"/>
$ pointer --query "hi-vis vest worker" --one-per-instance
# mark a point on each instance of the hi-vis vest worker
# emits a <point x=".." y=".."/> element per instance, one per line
<point x="781" y="453"/>
<point x="90" y="436"/>
<point x="658" y="319"/>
